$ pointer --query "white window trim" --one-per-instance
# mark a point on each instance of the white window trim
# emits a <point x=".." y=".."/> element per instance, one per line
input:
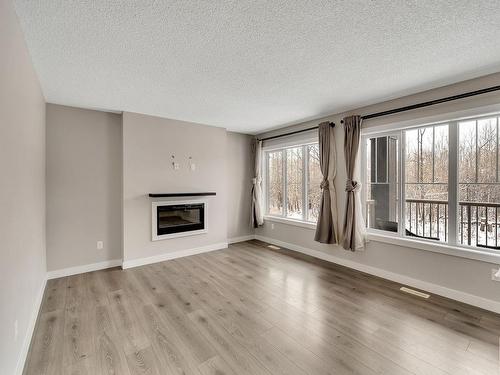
<point x="286" y="220"/>
<point x="265" y="167"/>
<point x="451" y="247"/>
<point x="435" y="247"/>
<point x="383" y="237"/>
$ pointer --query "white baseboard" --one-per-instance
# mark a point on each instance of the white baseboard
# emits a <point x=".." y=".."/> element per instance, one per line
<point x="173" y="255"/>
<point x="241" y="238"/>
<point x="457" y="295"/>
<point x="31" y="329"/>
<point x="82" y="269"/>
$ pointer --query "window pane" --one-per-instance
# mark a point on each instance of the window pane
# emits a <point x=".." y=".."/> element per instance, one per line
<point x="275" y="183"/>
<point x="441" y="153"/>
<point x="467" y="151"/>
<point x="426" y="187"/>
<point x="486" y="150"/>
<point x="294" y="168"/>
<point x="381" y="158"/>
<point x="412" y="162"/>
<point x="314" y="178"/>
<point x="382" y="189"/>
<point x="479" y="188"/>
<point x="371" y="155"/>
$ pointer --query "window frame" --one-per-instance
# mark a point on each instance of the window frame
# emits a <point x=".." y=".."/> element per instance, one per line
<point x="452" y="246"/>
<point x="304" y="221"/>
<point x="399" y="134"/>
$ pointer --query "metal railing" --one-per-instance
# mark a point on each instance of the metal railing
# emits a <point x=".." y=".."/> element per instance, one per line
<point x="427" y="218"/>
<point x="478" y="222"/>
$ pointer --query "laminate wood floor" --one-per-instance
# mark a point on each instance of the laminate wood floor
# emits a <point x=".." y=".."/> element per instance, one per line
<point x="252" y="310"/>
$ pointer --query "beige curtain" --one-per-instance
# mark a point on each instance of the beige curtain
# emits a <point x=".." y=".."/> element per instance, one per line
<point x="326" y="231"/>
<point x="354" y="227"/>
<point x="257" y="207"/>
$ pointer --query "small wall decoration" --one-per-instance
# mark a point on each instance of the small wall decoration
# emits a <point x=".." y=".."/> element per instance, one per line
<point x="191" y="164"/>
<point x="175" y="166"/>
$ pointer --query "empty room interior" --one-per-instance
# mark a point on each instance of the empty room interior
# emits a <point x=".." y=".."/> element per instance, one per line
<point x="249" y="187"/>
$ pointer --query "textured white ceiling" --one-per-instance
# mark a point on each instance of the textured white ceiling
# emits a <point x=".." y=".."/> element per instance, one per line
<point x="254" y="65"/>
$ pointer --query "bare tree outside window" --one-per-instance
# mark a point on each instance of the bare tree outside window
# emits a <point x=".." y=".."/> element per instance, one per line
<point x="293" y="182"/>
<point x="314" y="178"/>
<point x="275" y="182"/>
<point x="479" y="185"/>
<point x="295" y="175"/>
<point x="426" y="165"/>
<point x="426" y="185"/>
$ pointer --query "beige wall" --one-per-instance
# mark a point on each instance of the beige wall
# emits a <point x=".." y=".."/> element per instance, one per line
<point x="84" y="183"/>
<point x="22" y="191"/>
<point x="148" y="144"/>
<point x="469" y="276"/>
<point x="83" y="186"/>
<point x="239" y="185"/>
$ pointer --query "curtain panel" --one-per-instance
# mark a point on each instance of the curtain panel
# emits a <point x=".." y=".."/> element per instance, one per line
<point x="326" y="231"/>
<point x="354" y="228"/>
<point x="257" y="204"/>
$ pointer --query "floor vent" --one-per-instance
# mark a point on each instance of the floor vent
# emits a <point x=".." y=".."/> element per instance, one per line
<point x="414" y="292"/>
<point x="273" y="247"/>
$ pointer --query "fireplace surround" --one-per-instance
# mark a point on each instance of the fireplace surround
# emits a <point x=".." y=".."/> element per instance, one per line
<point x="171" y="219"/>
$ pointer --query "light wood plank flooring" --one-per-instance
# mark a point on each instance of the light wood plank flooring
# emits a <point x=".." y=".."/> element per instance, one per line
<point x="252" y="310"/>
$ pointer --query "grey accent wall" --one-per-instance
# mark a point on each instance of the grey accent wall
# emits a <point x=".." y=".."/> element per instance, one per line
<point x="464" y="275"/>
<point x="22" y="192"/>
<point x="148" y="145"/>
<point x="239" y="185"/>
<point x="84" y="176"/>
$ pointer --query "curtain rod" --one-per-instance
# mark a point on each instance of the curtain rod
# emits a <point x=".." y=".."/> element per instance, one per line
<point x="332" y="124"/>
<point x="429" y="103"/>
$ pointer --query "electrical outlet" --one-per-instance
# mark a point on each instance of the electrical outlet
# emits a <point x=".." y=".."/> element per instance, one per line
<point x="16" y="330"/>
<point x="495" y="276"/>
<point x="100" y="245"/>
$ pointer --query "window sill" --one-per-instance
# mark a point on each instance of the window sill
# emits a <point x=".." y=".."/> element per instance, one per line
<point x="462" y="252"/>
<point x="378" y="236"/>
<point x="283" y="220"/>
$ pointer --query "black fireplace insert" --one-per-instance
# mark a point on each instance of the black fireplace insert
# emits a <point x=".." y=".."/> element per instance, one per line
<point x="180" y="218"/>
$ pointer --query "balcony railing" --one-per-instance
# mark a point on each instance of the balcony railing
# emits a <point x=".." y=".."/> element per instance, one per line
<point x="478" y="225"/>
<point x="427" y="218"/>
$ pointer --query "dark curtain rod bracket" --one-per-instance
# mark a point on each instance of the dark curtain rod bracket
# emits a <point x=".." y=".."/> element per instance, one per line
<point x="332" y="124"/>
<point x="429" y="103"/>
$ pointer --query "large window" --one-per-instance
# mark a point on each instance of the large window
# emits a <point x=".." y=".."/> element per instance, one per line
<point x="426" y="182"/>
<point x="442" y="179"/>
<point x="478" y="182"/>
<point x="382" y="210"/>
<point x="292" y="184"/>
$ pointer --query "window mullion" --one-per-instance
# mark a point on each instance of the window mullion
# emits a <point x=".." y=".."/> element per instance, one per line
<point x="305" y="168"/>
<point x="497" y="151"/>
<point x="285" y="182"/>
<point x="453" y="183"/>
<point x="402" y="185"/>
<point x="267" y="184"/>
<point x="364" y="177"/>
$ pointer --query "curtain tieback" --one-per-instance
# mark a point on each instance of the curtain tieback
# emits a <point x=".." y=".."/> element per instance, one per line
<point x="256" y="180"/>
<point x="325" y="185"/>
<point x="351" y="186"/>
